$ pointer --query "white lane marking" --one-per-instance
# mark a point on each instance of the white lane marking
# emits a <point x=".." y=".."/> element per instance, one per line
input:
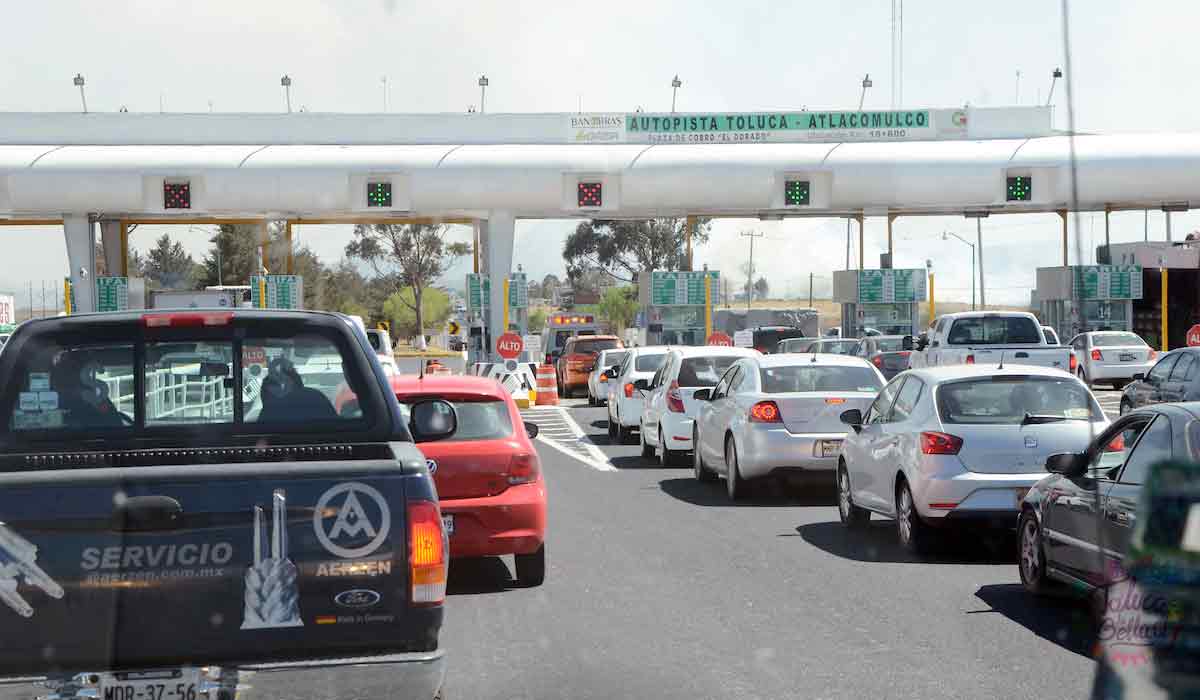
<point x="586" y="441"/>
<point x="565" y="449"/>
<point x="565" y="435"/>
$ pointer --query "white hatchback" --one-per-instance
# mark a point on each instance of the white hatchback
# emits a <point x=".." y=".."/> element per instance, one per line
<point x="626" y="390"/>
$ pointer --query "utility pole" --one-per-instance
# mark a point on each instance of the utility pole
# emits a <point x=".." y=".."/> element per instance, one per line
<point x="750" y="272"/>
<point x="30" y="299"/>
<point x="810" y="281"/>
<point x="43" y="299"/>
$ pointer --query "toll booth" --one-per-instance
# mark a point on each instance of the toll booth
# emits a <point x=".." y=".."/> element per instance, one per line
<point x="1083" y="298"/>
<point x="886" y="300"/>
<point x="479" y="291"/>
<point x="673" y="306"/>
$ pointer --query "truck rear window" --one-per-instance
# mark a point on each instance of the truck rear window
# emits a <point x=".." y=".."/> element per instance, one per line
<point x="591" y="346"/>
<point x="994" y="330"/>
<point x="1007" y="400"/>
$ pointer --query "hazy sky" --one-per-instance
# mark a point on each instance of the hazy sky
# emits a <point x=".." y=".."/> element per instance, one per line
<point x="1133" y="66"/>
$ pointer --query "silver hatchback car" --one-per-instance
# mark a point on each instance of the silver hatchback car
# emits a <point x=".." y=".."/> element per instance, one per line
<point x="959" y="444"/>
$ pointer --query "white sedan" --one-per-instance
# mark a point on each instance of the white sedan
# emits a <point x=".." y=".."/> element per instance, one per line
<point x="778" y="414"/>
<point x="959" y="444"/>
<point x="1112" y="356"/>
<point x="598" y="377"/>
<point x="626" y="390"/>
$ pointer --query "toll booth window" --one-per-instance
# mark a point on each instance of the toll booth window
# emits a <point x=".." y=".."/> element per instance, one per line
<point x="1020" y="188"/>
<point x="297" y="380"/>
<point x="189" y="383"/>
<point x="75" y="387"/>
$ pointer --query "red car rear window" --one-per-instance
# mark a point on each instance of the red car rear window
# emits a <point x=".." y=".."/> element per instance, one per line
<point x="485" y="419"/>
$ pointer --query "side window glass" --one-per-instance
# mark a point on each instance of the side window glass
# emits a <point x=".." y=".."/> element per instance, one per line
<point x="1183" y="368"/>
<point x="1163" y="369"/>
<point x="301" y="380"/>
<point x="1153" y="447"/>
<point x="735" y="383"/>
<point x="906" y="400"/>
<point x="1119" y="446"/>
<point x="723" y="385"/>
<point x="882" y="408"/>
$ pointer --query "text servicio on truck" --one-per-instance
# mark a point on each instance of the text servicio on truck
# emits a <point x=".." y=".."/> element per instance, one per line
<point x="158" y="522"/>
<point x="988" y="337"/>
<point x="562" y="326"/>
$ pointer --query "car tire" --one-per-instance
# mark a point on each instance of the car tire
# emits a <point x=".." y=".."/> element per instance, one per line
<point x="1031" y="556"/>
<point x="591" y="399"/>
<point x="562" y="390"/>
<point x="703" y="473"/>
<point x="667" y="457"/>
<point x="624" y="435"/>
<point x="647" y="450"/>
<point x="1125" y="407"/>
<point x="915" y="535"/>
<point x="735" y="485"/>
<point x="531" y="568"/>
<point x="852" y="516"/>
<point x="612" y="427"/>
<point x="1083" y="377"/>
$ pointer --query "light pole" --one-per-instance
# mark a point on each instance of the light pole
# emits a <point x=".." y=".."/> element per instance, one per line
<point x="483" y="83"/>
<point x="676" y="83"/>
<point x="79" y="84"/>
<point x="1053" y="79"/>
<point x="386" y="96"/>
<point x="286" y="82"/>
<point x="1017" y="92"/>
<point x="750" y="272"/>
<point x="866" y="83"/>
<point x="945" y="237"/>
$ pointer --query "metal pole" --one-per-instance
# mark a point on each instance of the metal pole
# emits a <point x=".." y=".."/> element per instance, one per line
<point x="861" y="246"/>
<point x="43" y="298"/>
<point x="708" y="315"/>
<point x="1146" y="225"/>
<point x="750" y="276"/>
<point x="1168" y="213"/>
<point x="291" y="258"/>
<point x="1107" y="243"/>
<point x="979" y="246"/>
<point x="847" y="243"/>
<point x="691" y="224"/>
<point x="810" y="290"/>
<point x="1063" y="213"/>
<point x="1163" y="308"/>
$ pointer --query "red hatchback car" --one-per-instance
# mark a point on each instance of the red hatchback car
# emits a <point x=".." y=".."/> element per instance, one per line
<point x="488" y="476"/>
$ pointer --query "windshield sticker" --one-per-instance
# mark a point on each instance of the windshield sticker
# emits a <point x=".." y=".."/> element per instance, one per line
<point x="39" y="381"/>
<point x="355" y="531"/>
<point x="28" y="401"/>
<point x="18" y="558"/>
<point x="47" y="400"/>
<point x="272" y="595"/>
<point x="1078" y="412"/>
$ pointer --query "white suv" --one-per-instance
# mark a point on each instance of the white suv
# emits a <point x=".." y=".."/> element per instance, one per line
<point x="670" y="409"/>
<point x="625" y="391"/>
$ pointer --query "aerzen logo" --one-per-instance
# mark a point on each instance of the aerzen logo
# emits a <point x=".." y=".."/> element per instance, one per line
<point x="357" y="529"/>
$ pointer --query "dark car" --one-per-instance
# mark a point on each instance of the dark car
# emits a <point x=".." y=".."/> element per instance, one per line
<point x="1076" y="523"/>
<point x="1174" y="378"/>
<point x="767" y="338"/>
<point x="887" y="352"/>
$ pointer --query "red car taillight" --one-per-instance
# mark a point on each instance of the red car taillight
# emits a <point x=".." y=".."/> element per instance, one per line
<point x="426" y="553"/>
<point x="970" y="360"/>
<point x="674" y="400"/>
<point x="1096" y="355"/>
<point x="877" y="361"/>
<point x="628" y="391"/>
<point x="523" y="469"/>
<point x="765" y="412"/>
<point x="940" y="443"/>
<point x="1074" y="362"/>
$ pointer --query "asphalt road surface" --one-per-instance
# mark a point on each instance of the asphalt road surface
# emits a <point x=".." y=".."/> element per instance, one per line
<point x="659" y="588"/>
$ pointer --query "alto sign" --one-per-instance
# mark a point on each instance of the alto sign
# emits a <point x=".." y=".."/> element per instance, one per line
<point x="509" y="346"/>
<point x="1193" y="335"/>
<point x="719" y="338"/>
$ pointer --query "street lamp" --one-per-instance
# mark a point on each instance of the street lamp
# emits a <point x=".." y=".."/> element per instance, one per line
<point x="79" y="84"/>
<point x="675" y="85"/>
<point x="286" y="82"/>
<point x="483" y="83"/>
<point x="1053" y="79"/>
<point x="945" y="237"/>
<point x="866" y="83"/>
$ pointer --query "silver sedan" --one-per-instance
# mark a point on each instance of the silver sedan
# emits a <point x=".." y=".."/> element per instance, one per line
<point x="778" y="414"/>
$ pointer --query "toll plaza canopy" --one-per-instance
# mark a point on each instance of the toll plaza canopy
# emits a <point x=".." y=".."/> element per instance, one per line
<point x="491" y="169"/>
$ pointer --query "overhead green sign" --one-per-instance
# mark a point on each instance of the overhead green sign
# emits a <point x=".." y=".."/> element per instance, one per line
<point x="682" y="288"/>
<point x="904" y="286"/>
<point x="283" y="292"/>
<point x="1099" y="282"/>
<point x="112" y="293"/>
<point x="479" y="291"/>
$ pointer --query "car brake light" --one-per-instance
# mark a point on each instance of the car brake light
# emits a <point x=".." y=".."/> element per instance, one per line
<point x="523" y="469"/>
<point x="1117" y="444"/>
<point x="674" y="400"/>
<point x="765" y="412"/>
<point x="834" y="401"/>
<point x="1153" y="354"/>
<point x="762" y="350"/>
<point x="1074" y="362"/>
<point x="426" y="553"/>
<point x="940" y="444"/>
<point x="1096" y="355"/>
<point x="943" y="505"/>
<point x="188" y="319"/>
<point x="629" y="391"/>
<point x="904" y="353"/>
<point x="877" y="360"/>
<point x="549" y="359"/>
<point x="970" y="360"/>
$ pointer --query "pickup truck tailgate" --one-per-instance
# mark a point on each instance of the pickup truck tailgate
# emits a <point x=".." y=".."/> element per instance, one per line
<point x="106" y="568"/>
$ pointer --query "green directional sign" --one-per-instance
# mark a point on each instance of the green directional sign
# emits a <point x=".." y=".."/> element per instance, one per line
<point x="112" y="293"/>
<point x="870" y="287"/>
<point x="1099" y="282"/>
<point x="904" y="286"/>
<point x="282" y="292"/>
<point x="518" y="291"/>
<point x="479" y="291"/>
<point x="682" y="288"/>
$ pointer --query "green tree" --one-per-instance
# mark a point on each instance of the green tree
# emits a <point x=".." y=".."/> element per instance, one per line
<point x="169" y="266"/>
<point x="231" y="256"/>
<point x="624" y="248"/>
<point x="537" y="320"/>
<point x="413" y="256"/>
<point x="619" y="305"/>
<point x="399" y="309"/>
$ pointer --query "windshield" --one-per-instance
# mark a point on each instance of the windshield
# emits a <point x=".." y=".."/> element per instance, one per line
<point x="648" y="362"/>
<point x="888" y="344"/>
<point x="704" y="371"/>
<point x="1104" y="340"/>
<point x="994" y="330"/>
<point x="1008" y="400"/>
<point x="834" y="347"/>
<point x="809" y="377"/>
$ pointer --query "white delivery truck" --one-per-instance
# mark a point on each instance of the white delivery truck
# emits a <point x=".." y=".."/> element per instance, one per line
<point x="988" y="337"/>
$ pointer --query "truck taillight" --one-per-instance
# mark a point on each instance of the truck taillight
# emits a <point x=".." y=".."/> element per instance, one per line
<point x="426" y="553"/>
<point x="940" y="443"/>
<point x="628" y="391"/>
<point x="674" y="399"/>
<point x="877" y="361"/>
<point x="1097" y="355"/>
<point x="765" y="412"/>
<point x="523" y="468"/>
<point x="187" y="319"/>
<point x="1074" y="362"/>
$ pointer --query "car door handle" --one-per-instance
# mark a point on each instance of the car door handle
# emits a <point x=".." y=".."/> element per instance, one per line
<point x="1121" y="517"/>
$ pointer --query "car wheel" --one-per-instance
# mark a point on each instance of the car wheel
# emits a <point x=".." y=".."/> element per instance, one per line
<point x="612" y="427"/>
<point x="1031" y="561"/>
<point x="915" y="535"/>
<point x="1125" y="407"/>
<point x="591" y="399"/>
<point x="667" y="457"/>
<point x="703" y="473"/>
<point x="647" y="450"/>
<point x="735" y="485"/>
<point x="624" y="435"/>
<point x="1083" y="377"/>
<point x="562" y="390"/>
<point x="852" y="516"/>
<point x="531" y="568"/>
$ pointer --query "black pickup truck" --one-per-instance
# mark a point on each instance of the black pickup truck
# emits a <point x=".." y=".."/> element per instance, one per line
<point x="186" y="514"/>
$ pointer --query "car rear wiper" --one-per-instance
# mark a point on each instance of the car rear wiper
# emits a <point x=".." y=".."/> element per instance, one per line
<point x="1031" y="418"/>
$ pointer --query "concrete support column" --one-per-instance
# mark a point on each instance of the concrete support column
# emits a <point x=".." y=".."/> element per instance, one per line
<point x="110" y="237"/>
<point x="80" y="236"/>
<point x="498" y="253"/>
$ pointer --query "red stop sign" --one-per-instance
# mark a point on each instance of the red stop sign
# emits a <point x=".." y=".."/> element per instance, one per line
<point x="509" y="346"/>
<point x="1193" y="335"/>
<point x="719" y="338"/>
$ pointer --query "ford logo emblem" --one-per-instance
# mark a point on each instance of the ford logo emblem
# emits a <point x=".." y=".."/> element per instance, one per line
<point x="357" y="598"/>
<point x="432" y="465"/>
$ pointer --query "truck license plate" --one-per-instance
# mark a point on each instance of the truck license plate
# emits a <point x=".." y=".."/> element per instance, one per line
<point x="1126" y="357"/>
<point x="175" y="684"/>
<point x="448" y="524"/>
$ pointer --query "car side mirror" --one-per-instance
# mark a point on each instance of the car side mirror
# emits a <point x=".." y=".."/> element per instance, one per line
<point x="614" y="372"/>
<point x="702" y="394"/>
<point x="1069" y="464"/>
<point x="1139" y="376"/>
<point x="432" y="420"/>
<point x="907" y="343"/>
<point x="853" y="418"/>
<point x="641" y="384"/>
<point x="531" y="429"/>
